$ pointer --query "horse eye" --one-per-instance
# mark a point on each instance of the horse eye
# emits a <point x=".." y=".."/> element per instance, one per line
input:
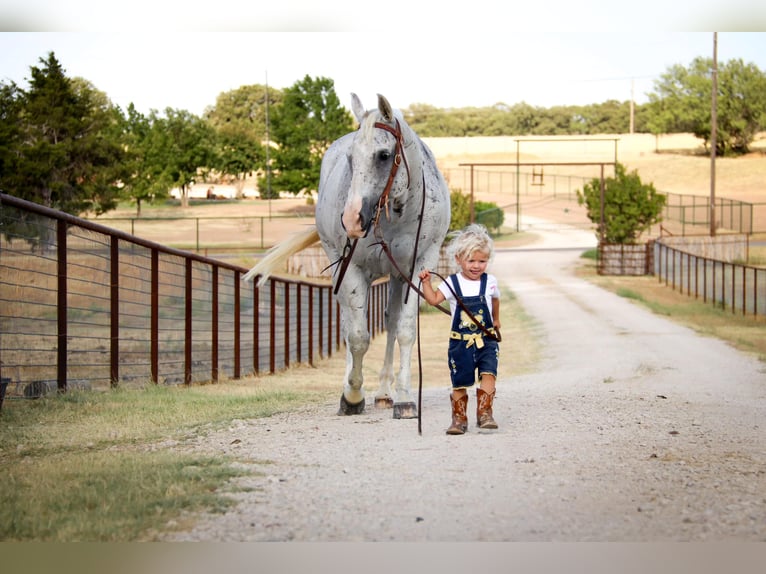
<point x="384" y="155"/>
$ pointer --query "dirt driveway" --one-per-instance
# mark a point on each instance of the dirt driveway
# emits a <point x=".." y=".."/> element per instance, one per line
<point x="633" y="429"/>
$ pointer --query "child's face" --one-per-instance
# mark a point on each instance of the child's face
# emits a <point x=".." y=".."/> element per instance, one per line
<point x="474" y="265"/>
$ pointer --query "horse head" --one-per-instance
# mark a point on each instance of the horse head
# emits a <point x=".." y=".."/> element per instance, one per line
<point x="380" y="166"/>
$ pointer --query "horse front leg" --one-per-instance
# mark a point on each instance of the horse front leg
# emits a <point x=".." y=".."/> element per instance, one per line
<point x="386" y="376"/>
<point x="357" y="339"/>
<point x="352" y="399"/>
<point x="406" y="331"/>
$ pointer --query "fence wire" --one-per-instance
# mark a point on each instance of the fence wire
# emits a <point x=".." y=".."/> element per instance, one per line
<point x="86" y="306"/>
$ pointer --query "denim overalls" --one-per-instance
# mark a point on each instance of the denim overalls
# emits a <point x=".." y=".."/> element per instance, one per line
<point x="469" y="348"/>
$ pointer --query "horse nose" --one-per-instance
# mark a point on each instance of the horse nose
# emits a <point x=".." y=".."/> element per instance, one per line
<point x="358" y="217"/>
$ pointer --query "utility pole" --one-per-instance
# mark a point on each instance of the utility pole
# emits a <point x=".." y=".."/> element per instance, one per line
<point x="632" y="104"/>
<point x="713" y="133"/>
<point x="268" y="146"/>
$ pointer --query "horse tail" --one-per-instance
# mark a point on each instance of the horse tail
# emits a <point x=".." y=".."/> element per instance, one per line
<point x="278" y="254"/>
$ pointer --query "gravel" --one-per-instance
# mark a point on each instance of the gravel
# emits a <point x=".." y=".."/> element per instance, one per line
<point x="633" y="429"/>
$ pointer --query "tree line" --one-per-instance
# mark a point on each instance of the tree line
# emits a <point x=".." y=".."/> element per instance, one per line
<point x="65" y="145"/>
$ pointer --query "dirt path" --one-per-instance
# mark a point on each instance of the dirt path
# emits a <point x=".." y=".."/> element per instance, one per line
<point x="633" y="429"/>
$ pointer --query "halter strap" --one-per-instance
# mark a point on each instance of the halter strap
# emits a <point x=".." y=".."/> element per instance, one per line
<point x="399" y="156"/>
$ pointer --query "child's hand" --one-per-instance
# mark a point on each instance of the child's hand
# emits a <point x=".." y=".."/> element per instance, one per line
<point x="425" y="275"/>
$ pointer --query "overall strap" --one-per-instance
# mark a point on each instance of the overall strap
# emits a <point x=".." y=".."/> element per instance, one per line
<point x="456" y="283"/>
<point x="496" y="335"/>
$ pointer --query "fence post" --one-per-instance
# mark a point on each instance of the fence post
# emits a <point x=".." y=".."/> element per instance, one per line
<point x="256" y="328"/>
<point x="188" y="323"/>
<point x="114" y="313"/>
<point x="214" y="329"/>
<point x="61" y="346"/>
<point x="237" y="327"/>
<point x="155" y="317"/>
<point x="287" y="325"/>
<point x="311" y="325"/>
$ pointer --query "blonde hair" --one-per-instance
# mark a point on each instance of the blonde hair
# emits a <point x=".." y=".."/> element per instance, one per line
<point x="471" y="238"/>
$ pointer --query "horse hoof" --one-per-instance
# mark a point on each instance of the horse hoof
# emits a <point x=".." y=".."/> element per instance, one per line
<point x="384" y="402"/>
<point x="405" y="411"/>
<point x="346" y="408"/>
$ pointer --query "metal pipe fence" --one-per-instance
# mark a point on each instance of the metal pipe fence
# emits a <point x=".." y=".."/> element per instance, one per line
<point x="683" y="213"/>
<point x="84" y="305"/>
<point x="740" y="288"/>
<point x="200" y="234"/>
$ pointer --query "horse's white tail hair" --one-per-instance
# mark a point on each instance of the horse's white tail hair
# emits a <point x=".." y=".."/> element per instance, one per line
<point x="278" y="254"/>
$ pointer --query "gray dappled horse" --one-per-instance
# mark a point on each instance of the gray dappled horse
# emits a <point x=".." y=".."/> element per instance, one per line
<point x="383" y="209"/>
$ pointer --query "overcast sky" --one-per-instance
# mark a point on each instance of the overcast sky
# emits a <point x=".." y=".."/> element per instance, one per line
<point x="183" y="65"/>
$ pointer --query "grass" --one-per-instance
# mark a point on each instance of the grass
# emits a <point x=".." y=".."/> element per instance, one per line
<point x="111" y="467"/>
<point x="745" y="333"/>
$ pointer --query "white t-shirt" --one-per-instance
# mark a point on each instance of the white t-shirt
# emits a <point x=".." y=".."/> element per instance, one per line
<point x="470" y="289"/>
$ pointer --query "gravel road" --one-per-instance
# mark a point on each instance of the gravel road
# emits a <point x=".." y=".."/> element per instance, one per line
<point x="633" y="429"/>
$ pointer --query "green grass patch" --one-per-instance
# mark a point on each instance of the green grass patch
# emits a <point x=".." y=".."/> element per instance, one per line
<point x="110" y="466"/>
<point x="107" y="496"/>
<point x="639" y="298"/>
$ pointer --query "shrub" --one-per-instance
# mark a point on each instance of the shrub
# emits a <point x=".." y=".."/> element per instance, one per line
<point x="486" y="213"/>
<point x="630" y="206"/>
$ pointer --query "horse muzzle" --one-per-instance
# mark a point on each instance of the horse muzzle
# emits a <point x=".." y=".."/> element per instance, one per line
<point x="358" y="217"/>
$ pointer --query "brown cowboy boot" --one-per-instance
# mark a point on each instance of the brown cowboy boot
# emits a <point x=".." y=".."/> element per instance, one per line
<point x="459" y="417"/>
<point x="484" y="418"/>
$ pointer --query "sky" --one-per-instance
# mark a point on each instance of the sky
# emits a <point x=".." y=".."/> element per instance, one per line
<point x="150" y="57"/>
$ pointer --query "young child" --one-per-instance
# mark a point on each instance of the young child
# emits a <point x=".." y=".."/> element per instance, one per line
<point x="471" y="348"/>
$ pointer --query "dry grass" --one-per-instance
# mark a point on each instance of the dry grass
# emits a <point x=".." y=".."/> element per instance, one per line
<point x="744" y="332"/>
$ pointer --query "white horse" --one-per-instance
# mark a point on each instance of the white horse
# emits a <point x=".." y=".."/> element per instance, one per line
<point x="383" y="209"/>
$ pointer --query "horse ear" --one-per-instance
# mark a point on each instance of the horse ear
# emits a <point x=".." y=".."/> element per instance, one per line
<point x="357" y="107"/>
<point x="385" y="108"/>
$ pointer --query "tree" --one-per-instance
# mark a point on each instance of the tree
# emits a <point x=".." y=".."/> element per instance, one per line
<point x="10" y="132"/>
<point x="148" y="179"/>
<point x="630" y="206"/>
<point x="185" y="145"/>
<point x="241" y="119"/>
<point x="62" y="148"/>
<point x="683" y="98"/>
<point x="309" y="119"/>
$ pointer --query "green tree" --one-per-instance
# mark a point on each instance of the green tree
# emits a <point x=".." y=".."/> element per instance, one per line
<point x="10" y="133"/>
<point x="145" y="143"/>
<point x="63" y="149"/>
<point x="630" y="206"/>
<point x="682" y="102"/>
<point x="186" y="145"/>
<point x="309" y="119"/>
<point x="241" y="119"/>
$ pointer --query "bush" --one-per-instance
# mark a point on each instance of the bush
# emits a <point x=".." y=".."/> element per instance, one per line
<point x="460" y="208"/>
<point x="630" y="207"/>
<point x="489" y="215"/>
<point x="486" y="213"/>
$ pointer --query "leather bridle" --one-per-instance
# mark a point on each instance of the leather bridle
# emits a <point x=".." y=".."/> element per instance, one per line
<point x="399" y="157"/>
